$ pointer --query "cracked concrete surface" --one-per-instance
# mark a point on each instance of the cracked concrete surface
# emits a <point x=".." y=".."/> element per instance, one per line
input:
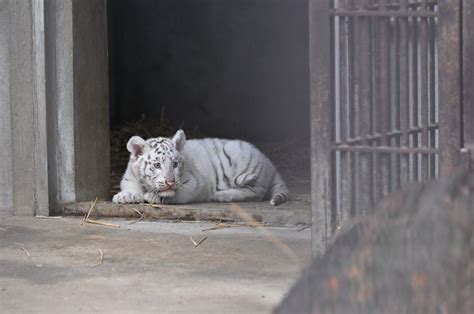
<point x="53" y="266"/>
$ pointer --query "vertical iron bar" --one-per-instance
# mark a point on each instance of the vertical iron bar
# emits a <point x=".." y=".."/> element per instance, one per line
<point x="353" y="156"/>
<point x="384" y="99"/>
<point x="433" y="94"/>
<point x="403" y="91"/>
<point x="414" y="93"/>
<point x="424" y="84"/>
<point x="334" y="111"/>
<point x="375" y="108"/>
<point x="363" y="79"/>
<point x="344" y="206"/>
<point x="394" y="100"/>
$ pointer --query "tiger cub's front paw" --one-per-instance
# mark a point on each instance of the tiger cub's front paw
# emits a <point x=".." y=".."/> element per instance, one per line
<point x="222" y="197"/>
<point x="152" y="198"/>
<point x="125" y="197"/>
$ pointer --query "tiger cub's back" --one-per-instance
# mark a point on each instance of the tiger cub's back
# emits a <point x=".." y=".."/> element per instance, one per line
<point x="236" y="164"/>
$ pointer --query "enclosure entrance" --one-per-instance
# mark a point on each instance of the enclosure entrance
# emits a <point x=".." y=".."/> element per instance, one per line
<point x="387" y="99"/>
<point x="228" y="69"/>
<point x="386" y="106"/>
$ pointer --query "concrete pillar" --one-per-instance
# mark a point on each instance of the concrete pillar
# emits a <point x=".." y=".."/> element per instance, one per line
<point x="27" y="108"/>
<point x="91" y="99"/>
<point x="78" y="115"/>
<point x="54" y="128"/>
<point x="59" y="64"/>
<point x="6" y="175"/>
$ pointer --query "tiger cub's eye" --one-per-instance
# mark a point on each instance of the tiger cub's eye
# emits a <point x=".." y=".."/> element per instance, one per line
<point x="158" y="165"/>
<point x="175" y="164"/>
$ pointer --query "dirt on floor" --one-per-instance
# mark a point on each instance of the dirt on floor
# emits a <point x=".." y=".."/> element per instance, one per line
<point x="63" y="265"/>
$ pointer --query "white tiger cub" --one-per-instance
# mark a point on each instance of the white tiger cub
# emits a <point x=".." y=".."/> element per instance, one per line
<point x="185" y="171"/>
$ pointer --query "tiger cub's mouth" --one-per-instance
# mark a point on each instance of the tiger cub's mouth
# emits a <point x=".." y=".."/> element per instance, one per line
<point x="167" y="193"/>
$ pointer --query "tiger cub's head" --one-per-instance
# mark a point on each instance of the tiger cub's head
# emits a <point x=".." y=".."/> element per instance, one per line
<point x="158" y="162"/>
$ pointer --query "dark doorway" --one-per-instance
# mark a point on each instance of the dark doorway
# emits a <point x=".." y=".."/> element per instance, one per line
<point x="232" y="69"/>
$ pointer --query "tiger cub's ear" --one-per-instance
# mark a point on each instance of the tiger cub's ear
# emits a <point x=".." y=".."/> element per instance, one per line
<point x="179" y="139"/>
<point x="136" y="146"/>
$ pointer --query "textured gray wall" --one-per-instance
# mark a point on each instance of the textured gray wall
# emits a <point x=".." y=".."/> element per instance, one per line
<point x="6" y="163"/>
<point x="78" y="139"/>
<point x="59" y="60"/>
<point x="54" y="121"/>
<point x="23" y="178"/>
<point x="22" y="105"/>
<point x="236" y="68"/>
<point x="91" y="99"/>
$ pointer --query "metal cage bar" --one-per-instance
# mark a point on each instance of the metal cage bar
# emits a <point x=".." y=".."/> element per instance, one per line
<point x="384" y="110"/>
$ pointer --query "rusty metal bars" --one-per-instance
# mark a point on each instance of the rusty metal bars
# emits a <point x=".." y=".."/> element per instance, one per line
<point x="386" y="103"/>
<point x="384" y="110"/>
<point x="345" y="183"/>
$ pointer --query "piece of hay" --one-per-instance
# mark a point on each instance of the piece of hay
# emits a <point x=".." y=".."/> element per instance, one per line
<point x="48" y="217"/>
<point x="234" y="225"/>
<point x="95" y="222"/>
<point x="304" y="228"/>
<point x="142" y="216"/>
<point x="24" y="249"/>
<point x="196" y="244"/>
<point x="91" y="208"/>
<point x="101" y="258"/>
<point x="219" y="227"/>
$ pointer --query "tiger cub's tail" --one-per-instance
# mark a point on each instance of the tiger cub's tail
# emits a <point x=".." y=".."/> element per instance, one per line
<point x="278" y="192"/>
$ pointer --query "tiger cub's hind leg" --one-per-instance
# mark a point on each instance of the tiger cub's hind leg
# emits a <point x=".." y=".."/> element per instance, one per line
<point x="245" y="179"/>
<point x="239" y="195"/>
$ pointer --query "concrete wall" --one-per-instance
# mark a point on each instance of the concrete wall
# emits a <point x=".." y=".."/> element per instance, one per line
<point x="235" y="68"/>
<point x="6" y="190"/>
<point x="27" y="108"/>
<point x="59" y="59"/>
<point x="54" y="104"/>
<point x="91" y="99"/>
<point x="78" y="125"/>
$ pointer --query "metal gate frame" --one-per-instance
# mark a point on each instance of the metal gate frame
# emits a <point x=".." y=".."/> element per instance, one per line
<point x="322" y="15"/>
<point x="468" y="80"/>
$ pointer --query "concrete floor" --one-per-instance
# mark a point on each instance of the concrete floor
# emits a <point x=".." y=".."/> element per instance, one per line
<point x="53" y="266"/>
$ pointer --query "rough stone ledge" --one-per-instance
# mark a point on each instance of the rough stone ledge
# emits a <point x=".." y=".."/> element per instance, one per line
<point x="294" y="213"/>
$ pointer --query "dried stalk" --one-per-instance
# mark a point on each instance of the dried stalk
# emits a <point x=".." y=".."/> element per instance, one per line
<point x="24" y="249"/>
<point x="140" y="219"/>
<point x="91" y="208"/>
<point x="101" y="260"/>
<point x="95" y="222"/>
<point x="196" y="244"/>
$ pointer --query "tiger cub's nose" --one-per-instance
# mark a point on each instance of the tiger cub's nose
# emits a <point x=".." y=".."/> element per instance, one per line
<point x="170" y="184"/>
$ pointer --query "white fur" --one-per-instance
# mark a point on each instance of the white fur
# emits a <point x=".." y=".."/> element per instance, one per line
<point x="200" y="170"/>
